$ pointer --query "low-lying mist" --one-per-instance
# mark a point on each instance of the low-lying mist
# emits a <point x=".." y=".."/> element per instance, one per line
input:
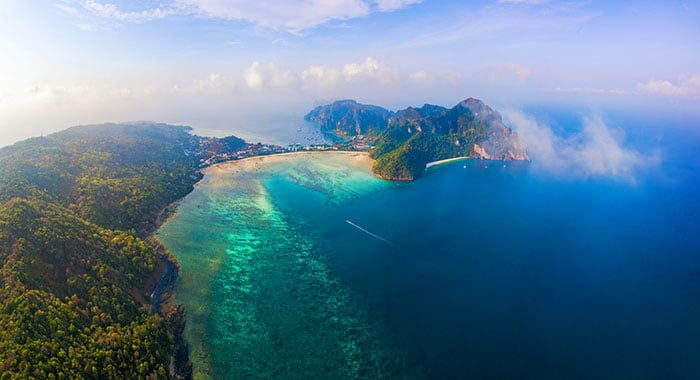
<point x="596" y="150"/>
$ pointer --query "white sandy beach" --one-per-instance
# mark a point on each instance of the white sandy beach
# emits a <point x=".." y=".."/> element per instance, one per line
<point x="259" y="163"/>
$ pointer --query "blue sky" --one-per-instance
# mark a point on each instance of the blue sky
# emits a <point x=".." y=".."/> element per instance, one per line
<point x="234" y="65"/>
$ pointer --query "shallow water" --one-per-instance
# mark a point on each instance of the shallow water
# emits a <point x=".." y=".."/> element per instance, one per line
<point x="477" y="270"/>
<point x="262" y="301"/>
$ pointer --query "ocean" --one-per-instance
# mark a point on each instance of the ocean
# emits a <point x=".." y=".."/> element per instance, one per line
<point x="307" y="266"/>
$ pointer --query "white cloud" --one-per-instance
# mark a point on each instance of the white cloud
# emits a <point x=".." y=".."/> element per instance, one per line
<point x="591" y="90"/>
<point x="66" y="9"/>
<point x="121" y="92"/>
<point x="421" y="76"/>
<point x="603" y="153"/>
<point x="371" y="70"/>
<point x="49" y="95"/>
<point x="369" y="66"/>
<point x="211" y="84"/>
<point x="521" y="71"/>
<point x="391" y="5"/>
<point x="253" y="77"/>
<point x="111" y="11"/>
<point x="596" y="151"/>
<point x="42" y="95"/>
<point x="432" y="77"/>
<point x="509" y="71"/>
<point x="661" y="87"/>
<point x="261" y="76"/>
<point x="291" y="16"/>
<point x="686" y="86"/>
<point x="320" y="76"/>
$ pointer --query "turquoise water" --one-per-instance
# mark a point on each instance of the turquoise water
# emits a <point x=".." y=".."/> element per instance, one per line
<point x="477" y="270"/>
<point x="262" y="299"/>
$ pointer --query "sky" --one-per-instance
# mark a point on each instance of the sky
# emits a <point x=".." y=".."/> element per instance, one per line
<point x="231" y="66"/>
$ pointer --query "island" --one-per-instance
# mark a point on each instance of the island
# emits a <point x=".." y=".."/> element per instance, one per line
<point x="405" y="141"/>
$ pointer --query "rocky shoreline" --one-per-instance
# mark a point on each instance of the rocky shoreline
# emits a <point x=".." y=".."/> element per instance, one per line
<point x="164" y="285"/>
<point x="175" y="315"/>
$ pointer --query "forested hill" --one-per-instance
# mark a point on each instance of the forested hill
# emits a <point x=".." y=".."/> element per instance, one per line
<point x="349" y="118"/>
<point x="406" y="140"/>
<point x="74" y="273"/>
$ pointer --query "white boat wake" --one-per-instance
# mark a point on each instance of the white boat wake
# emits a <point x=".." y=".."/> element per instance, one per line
<point x="371" y="234"/>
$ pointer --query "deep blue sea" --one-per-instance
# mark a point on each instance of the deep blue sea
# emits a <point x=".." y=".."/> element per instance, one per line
<point x="306" y="268"/>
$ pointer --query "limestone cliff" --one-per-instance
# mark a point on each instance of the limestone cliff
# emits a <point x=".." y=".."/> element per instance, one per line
<point x="501" y="143"/>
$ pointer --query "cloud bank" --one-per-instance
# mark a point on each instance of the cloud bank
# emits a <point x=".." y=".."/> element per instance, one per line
<point x="685" y="86"/>
<point x="260" y="76"/>
<point x="596" y="151"/>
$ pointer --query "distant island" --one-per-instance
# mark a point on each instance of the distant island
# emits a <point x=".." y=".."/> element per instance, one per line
<point x="403" y="142"/>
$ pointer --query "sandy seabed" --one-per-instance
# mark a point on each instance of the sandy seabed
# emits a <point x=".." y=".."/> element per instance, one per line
<point x="261" y="298"/>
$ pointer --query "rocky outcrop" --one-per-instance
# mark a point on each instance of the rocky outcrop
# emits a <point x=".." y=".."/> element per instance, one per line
<point x="480" y="152"/>
<point x="500" y="143"/>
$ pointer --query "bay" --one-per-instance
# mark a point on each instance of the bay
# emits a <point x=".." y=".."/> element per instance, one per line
<point x="306" y="266"/>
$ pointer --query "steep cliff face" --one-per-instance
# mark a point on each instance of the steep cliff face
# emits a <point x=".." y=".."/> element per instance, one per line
<point x="501" y="143"/>
<point x="404" y="141"/>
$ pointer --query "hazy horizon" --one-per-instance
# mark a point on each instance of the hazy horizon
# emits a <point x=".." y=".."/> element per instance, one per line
<point x="238" y="67"/>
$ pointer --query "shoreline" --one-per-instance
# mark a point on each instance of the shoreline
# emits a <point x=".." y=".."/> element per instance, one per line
<point x="362" y="157"/>
<point x="161" y="295"/>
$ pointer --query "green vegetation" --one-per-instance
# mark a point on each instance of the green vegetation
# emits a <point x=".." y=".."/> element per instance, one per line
<point x="415" y="137"/>
<point x="348" y="118"/>
<point x="403" y="163"/>
<point x="408" y="161"/>
<point x="405" y="141"/>
<point x="74" y="272"/>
